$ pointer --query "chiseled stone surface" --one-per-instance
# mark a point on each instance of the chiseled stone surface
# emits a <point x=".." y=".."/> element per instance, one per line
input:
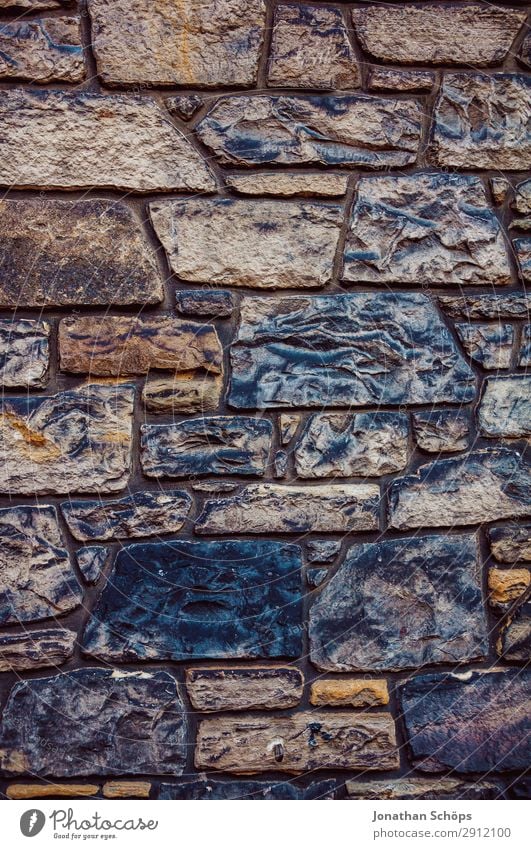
<point x="482" y="121"/>
<point x="349" y="692"/>
<point x="94" y="721"/>
<point x="190" y="42"/>
<point x="522" y="198"/>
<point x="184" y="106"/>
<point x="525" y="350"/>
<point x="310" y="48"/>
<point x="391" y="79"/>
<point x="505" y="407"/>
<point x="434" y="228"/>
<point x="441" y="430"/>
<point x="490" y="345"/>
<point x="433" y="33"/>
<point x="264" y="244"/>
<point x="128" y="344"/>
<point x="471" y="722"/>
<point x="523" y="254"/>
<point x="133" y="144"/>
<point x="76" y="441"/>
<point x="322" y="550"/>
<point x="514" y="641"/>
<point x="481" y="486"/>
<point x="210" y="445"/>
<point x="24" y="353"/>
<point x="511" y="543"/>
<point x="356" y="349"/>
<point x="37" y="577"/>
<point x="417" y="789"/>
<point x="500" y="188"/>
<point x="505" y="586"/>
<point x="126" y="789"/>
<point x="349" y="130"/>
<point x="91" y="561"/>
<point x="42" y="50"/>
<point x="199" y="302"/>
<point x="36" y="649"/>
<point x="189" y="392"/>
<point x="86" y="252"/>
<point x="275" y="508"/>
<point x="514" y="305"/>
<point x="287" y="183"/>
<point x="247" y="791"/>
<point x="298" y="743"/>
<point x="241" y="688"/>
<point x="51" y="790"/>
<point x="525" y="51"/>
<point x="401" y="604"/>
<point x="288" y="424"/>
<point x="347" y="444"/>
<point x="137" y="515"/>
<point x="178" y="600"/>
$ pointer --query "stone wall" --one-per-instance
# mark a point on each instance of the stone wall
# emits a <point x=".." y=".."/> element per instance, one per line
<point x="264" y="340"/>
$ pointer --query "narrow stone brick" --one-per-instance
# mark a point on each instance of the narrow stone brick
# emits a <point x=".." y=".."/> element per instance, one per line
<point x="525" y="349"/>
<point x="349" y="692"/>
<point x="505" y="406"/>
<point x="51" y="790"/>
<point x="36" y="649"/>
<point x="288" y="184"/>
<point x="126" y="789"/>
<point x="514" y="640"/>
<point x="137" y="515"/>
<point x="253" y="688"/>
<point x="206" y="791"/>
<point x="201" y="303"/>
<point x="515" y="305"/>
<point x="24" y="353"/>
<point x="418" y="789"/>
<point x="390" y="79"/>
<point x="187" y="392"/>
<point x="42" y="51"/>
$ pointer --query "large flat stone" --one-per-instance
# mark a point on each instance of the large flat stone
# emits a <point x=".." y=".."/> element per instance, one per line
<point x="356" y="349"/>
<point x="274" y="508"/>
<point x="298" y="743"/>
<point x="42" y="50"/>
<point x="481" y="486"/>
<point x="94" y="721"/>
<point x="36" y="649"/>
<point x="179" y="600"/>
<point x="401" y="604"/>
<point x="24" y="352"/>
<point x="264" y="244"/>
<point x="76" y="441"/>
<point x="38" y="580"/>
<point x="86" y="252"/>
<point x="74" y="140"/>
<point x="138" y="515"/>
<point x="349" y="130"/>
<point x="512" y="543"/>
<point x="163" y="42"/>
<point x="215" y="445"/>
<point x="434" y="228"/>
<point x="470" y="722"/>
<point x="244" y="688"/>
<point x="505" y="406"/>
<point x="482" y="122"/>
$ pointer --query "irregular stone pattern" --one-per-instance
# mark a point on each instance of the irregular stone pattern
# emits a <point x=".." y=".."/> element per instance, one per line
<point x="253" y="688"/>
<point x="471" y="722"/>
<point x="322" y="550"/>
<point x="505" y="407"/>
<point x="417" y="789"/>
<point x="441" y="430"/>
<point x="525" y="351"/>
<point x="91" y="561"/>
<point x="358" y="349"/>
<point x="419" y="228"/>
<point x="515" y="305"/>
<point x="184" y="106"/>
<point x="288" y="184"/>
<point x="63" y="253"/>
<point x="75" y="441"/>
<point x="188" y="392"/>
<point x="37" y="577"/>
<point x="384" y="79"/>
<point x="36" y="649"/>
<point x="522" y="198"/>
<point x="201" y="303"/>
<point x="164" y="42"/>
<point x="401" y="604"/>
<point x="514" y="642"/>
<point x="274" y="508"/>
<point x="523" y="255"/>
<point x="310" y="48"/>
<point x="179" y="600"/>
<point x="24" y="353"/>
<point x="512" y="543"/>
<point x="247" y="790"/>
<point x="138" y="515"/>
<point x="262" y="244"/>
<point x="505" y="586"/>
<point x="490" y="345"/>
<point x="133" y="146"/>
<point x="42" y="50"/>
<point x="348" y="130"/>
<point x="90" y="721"/>
<point x="349" y="692"/>
<point x="481" y="486"/>
<point x="288" y="424"/>
<point x="212" y="445"/>
<point x="298" y="743"/>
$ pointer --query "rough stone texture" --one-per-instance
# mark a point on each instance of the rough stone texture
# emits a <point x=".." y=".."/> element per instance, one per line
<point x="262" y="244"/>
<point x="127" y="344"/>
<point x="523" y="255"/>
<point x="522" y="198"/>
<point x="505" y="586"/>
<point x="211" y="445"/>
<point x="36" y="649"/>
<point x="75" y="441"/>
<point x="481" y="486"/>
<point x="490" y="345"/>
<point x="514" y="642"/>
<point x="164" y="42"/>
<point x="512" y="543"/>
<point x="24" y="353"/>
<point x="482" y="122"/>
<point x="505" y="407"/>
<point x="133" y="145"/>
<point x="62" y="253"/>
<point x="298" y="743"/>
<point x="401" y="604"/>
<point x="33" y="5"/>
<point x="473" y="34"/>
<point x="189" y="392"/>
<point x="37" y="577"/>
<point x="42" y="50"/>
<point x="91" y="561"/>
<point x="471" y="722"/>
<point x="349" y="692"/>
<point x="138" y="515"/>
<point x="184" y="106"/>
<point x="322" y="550"/>
<point x="288" y="424"/>
<point x="274" y="508"/>
<point x="247" y="791"/>
<point x="500" y="187"/>
<point x="346" y="445"/>
<point x="359" y="349"/>
<point x="126" y="790"/>
<point x="385" y="79"/>
<point x="49" y="790"/>
<point x="441" y="430"/>
<point x="90" y="721"/>
<point x="419" y="228"/>
<point x="515" y="305"/>
<point x="316" y="577"/>
<point x="288" y="184"/>
<point x="280" y="464"/>
<point x="525" y="51"/>
<point x="348" y="130"/>
<point x="417" y="789"/>
<point x="525" y="350"/>
<point x="310" y="48"/>
<point x="268" y="688"/>
<point x="202" y="303"/>
<point x="179" y="600"/>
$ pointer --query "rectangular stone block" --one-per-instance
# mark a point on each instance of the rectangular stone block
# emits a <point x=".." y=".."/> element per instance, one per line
<point x="24" y="353"/>
<point x="51" y="790"/>
<point x="288" y="184"/>
<point x="36" y="649"/>
<point x="418" y="789"/>
<point x="505" y="406"/>
<point x="42" y="51"/>
<point x="349" y="692"/>
<point x="244" y="688"/>
<point x="514" y="305"/>
<point x="185" y="392"/>
<point x="512" y="543"/>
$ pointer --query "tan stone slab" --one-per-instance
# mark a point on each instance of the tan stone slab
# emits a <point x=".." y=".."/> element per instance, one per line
<point x="349" y="692"/>
<point x="506" y="585"/>
<point x="244" y="688"/>
<point x="186" y="392"/>
<point x="127" y="789"/>
<point x="288" y="184"/>
<point x="51" y="791"/>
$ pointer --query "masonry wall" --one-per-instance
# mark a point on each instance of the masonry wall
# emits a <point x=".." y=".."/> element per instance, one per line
<point x="264" y="344"/>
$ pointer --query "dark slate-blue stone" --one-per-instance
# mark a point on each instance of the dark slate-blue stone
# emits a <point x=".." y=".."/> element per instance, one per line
<point x="247" y="790"/>
<point x="199" y="302"/>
